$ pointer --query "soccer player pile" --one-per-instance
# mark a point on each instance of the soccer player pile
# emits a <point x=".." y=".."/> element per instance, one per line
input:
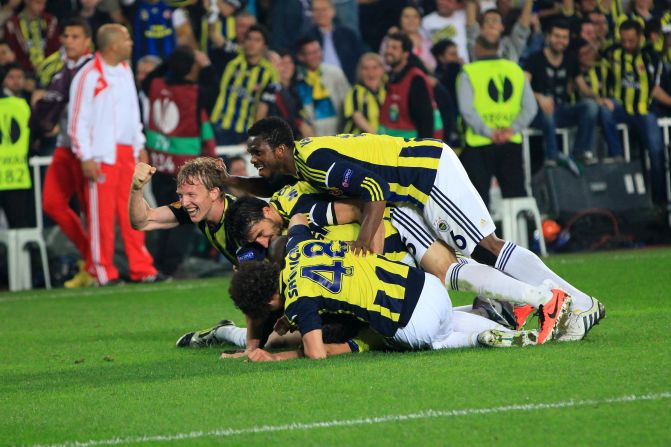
<point x="362" y="239"/>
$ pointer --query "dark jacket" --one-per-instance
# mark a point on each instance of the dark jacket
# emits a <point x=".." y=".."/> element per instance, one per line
<point x="348" y="46"/>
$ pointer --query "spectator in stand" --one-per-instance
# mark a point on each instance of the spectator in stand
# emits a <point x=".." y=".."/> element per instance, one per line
<point x="178" y="130"/>
<point x="411" y="24"/>
<point x="243" y="23"/>
<point x="660" y="108"/>
<point x="153" y="29"/>
<point x="32" y="34"/>
<point x="105" y="128"/>
<point x="449" y="66"/>
<point x="7" y="11"/>
<point x="144" y="66"/>
<point x="283" y="99"/>
<point x="14" y="82"/>
<point x="245" y="78"/>
<point x="7" y="56"/>
<point x="553" y="72"/>
<point x="592" y="84"/>
<point x="490" y="25"/>
<point x="93" y="14"/>
<point x="496" y="103"/>
<point x="409" y="109"/>
<point x="341" y="46"/>
<point x="588" y="34"/>
<point x="16" y="195"/>
<point x="237" y="166"/>
<point x="64" y="179"/>
<point x="199" y="23"/>
<point x="290" y="20"/>
<point x="321" y="87"/>
<point x="365" y="98"/>
<point x="448" y="22"/>
<point x="602" y="35"/>
<point x="633" y="78"/>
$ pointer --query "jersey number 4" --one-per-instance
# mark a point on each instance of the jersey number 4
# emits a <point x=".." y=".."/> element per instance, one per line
<point x="327" y="276"/>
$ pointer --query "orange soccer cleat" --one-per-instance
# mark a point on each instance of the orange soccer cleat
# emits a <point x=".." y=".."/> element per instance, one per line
<point x="552" y="314"/>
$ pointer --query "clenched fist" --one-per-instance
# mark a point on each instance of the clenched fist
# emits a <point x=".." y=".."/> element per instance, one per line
<point x="142" y="175"/>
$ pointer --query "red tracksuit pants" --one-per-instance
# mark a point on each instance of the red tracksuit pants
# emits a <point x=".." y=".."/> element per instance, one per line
<point x="64" y="179"/>
<point x="106" y="199"/>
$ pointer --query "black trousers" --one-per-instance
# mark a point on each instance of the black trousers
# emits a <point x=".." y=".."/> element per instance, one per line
<point x="169" y="247"/>
<point x="501" y="161"/>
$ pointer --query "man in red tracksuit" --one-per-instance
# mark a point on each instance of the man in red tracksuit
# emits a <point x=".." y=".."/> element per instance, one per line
<point x="106" y="131"/>
<point x="64" y="177"/>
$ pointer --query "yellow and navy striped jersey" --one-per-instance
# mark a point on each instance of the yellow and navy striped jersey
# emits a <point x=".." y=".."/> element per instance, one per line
<point x="224" y="26"/>
<point x="371" y="167"/>
<point x="361" y="99"/>
<point x="49" y="67"/>
<point x="596" y="78"/>
<point x="240" y="90"/>
<point x="325" y="277"/>
<point x="318" y="207"/>
<point x="632" y="77"/>
<point x="219" y="235"/>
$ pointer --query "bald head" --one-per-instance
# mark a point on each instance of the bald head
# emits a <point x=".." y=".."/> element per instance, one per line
<point x="114" y="43"/>
<point x="107" y="34"/>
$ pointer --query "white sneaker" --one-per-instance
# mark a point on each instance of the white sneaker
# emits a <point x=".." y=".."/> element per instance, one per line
<point x="580" y="322"/>
<point x="505" y="339"/>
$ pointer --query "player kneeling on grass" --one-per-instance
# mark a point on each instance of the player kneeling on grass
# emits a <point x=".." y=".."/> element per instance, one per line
<point x="410" y="308"/>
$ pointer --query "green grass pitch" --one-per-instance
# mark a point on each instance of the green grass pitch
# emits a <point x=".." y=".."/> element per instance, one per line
<point x="99" y="367"/>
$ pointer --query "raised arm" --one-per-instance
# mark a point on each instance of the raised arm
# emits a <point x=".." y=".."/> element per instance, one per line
<point x="142" y="216"/>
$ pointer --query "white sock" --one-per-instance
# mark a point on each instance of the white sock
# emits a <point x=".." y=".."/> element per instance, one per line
<point x="466" y="327"/>
<point x="232" y="334"/>
<point x="468" y="275"/>
<point x="524" y="265"/>
<point x="468" y="322"/>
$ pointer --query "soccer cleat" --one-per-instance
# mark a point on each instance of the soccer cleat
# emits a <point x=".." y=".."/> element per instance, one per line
<point x="521" y="314"/>
<point x="81" y="279"/>
<point x="505" y="339"/>
<point x="204" y="338"/>
<point x="552" y="315"/>
<point x="579" y="323"/>
<point x="498" y="311"/>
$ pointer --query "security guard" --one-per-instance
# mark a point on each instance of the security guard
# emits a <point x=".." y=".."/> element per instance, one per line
<point x="496" y="103"/>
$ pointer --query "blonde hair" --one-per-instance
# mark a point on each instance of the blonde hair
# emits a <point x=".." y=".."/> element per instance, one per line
<point x="368" y="56"/>
<point x="203" y="169"/>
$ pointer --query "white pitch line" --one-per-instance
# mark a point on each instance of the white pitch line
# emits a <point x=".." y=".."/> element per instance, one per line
<point x="426" y="414"/>
<point x="104" y="291"/>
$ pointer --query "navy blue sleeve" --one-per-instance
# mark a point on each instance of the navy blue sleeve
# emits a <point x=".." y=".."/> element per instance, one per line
<point x="297" y="234"/>
<point x="324" y="168"/>
<point x="304" y="313"/>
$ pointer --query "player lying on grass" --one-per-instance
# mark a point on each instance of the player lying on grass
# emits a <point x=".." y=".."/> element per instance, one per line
<point x="378" y="169"/>
<point x="407" y="306"/>
<point x="255" y="221"/>
<point x="202" y="202"/>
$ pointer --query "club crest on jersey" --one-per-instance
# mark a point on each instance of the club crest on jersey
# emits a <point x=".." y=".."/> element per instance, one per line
<point x="347" y="176"/>
<point x="441" y="224"/>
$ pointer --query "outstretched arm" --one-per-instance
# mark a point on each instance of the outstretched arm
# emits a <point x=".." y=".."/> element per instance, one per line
<point x="142" y="216"/>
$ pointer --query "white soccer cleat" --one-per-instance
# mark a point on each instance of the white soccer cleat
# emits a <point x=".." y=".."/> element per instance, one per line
<point x="579" y="323"/>
<point x="496" y="338"/>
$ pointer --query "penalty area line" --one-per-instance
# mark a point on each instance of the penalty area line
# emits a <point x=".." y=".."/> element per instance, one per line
<point x="425" y="414"/>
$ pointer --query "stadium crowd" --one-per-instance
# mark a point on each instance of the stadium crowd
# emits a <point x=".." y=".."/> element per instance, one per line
<point x="474" y="73"/>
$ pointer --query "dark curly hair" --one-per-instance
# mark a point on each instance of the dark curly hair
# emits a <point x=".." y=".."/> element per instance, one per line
<point x="274" y="131"/>
<point x="244" y="213"/>
<point x="253" y="285"/>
